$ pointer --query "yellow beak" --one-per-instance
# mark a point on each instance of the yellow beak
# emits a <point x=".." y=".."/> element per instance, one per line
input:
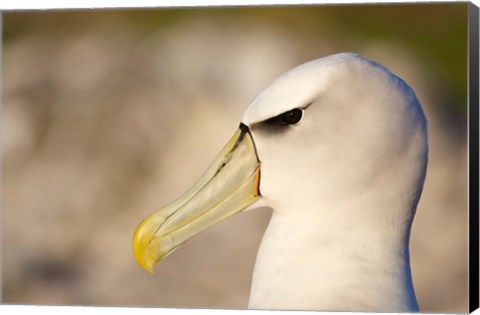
<point x="229" y="185"/>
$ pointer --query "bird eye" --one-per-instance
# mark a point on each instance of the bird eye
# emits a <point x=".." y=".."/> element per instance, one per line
<point x="291" y="117"/>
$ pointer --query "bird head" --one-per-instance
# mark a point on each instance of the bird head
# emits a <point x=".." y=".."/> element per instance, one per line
<point x="329" y="130"/>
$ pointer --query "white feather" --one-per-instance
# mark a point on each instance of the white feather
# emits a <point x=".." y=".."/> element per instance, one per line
<point x="343" y="184"/>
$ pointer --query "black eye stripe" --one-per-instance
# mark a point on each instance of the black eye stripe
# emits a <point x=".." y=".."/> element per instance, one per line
<point x="280" y="123"/>
<point x="291" y="117"/>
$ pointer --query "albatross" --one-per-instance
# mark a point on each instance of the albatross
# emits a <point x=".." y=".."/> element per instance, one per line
<point x="337" y="147"/>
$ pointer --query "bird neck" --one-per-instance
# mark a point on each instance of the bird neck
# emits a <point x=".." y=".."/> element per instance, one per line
<point x="311" y="262"/>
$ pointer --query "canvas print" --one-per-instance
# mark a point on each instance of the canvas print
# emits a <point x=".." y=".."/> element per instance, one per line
<point x="279" y="157"/>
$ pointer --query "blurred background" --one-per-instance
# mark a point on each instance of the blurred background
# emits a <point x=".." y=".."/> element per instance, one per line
<point x="108" y="115"/>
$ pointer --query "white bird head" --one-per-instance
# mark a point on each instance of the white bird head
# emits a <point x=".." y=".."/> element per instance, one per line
<point x="359" y="128"/>
<point x="338" y="148"/>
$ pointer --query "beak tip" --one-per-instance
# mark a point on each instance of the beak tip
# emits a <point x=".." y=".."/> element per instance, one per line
<point x="146" y="264"/>
<point x="141" y="249"/>
<point x="145" y="257"/>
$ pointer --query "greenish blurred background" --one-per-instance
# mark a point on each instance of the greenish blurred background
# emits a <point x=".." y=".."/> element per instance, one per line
<point x="110" y="114"/>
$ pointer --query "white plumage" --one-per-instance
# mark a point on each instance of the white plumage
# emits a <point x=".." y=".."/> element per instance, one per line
<point x="343" y="182"/>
